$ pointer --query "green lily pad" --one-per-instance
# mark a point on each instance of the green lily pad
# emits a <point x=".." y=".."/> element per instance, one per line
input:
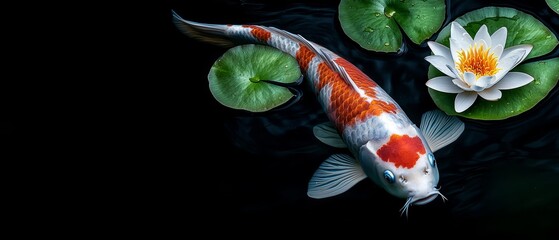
<point x="236" y="78"/>
<point x="375" y="25"/>
<point x="514" y="101"/>
<point x="522" y="28"/>
<point x="554" y="5"/>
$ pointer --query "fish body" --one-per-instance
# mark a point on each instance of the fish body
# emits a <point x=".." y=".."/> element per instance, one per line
<point x="385" y="145"/>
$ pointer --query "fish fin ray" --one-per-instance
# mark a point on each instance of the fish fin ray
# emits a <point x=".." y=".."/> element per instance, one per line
<point x="341" y="71"/>
<point x="327" y="134"/>
<point x="440" y="129"/>
<point x="335" y="175"/>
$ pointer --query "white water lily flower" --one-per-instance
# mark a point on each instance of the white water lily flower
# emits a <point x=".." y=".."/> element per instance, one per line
<point x="478" y="66"/>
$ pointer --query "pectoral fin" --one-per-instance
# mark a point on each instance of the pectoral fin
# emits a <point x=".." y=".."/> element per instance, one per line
<point x="440" y="129"/>
<point x="327" y="133"/>
<point x="336" y="175"/>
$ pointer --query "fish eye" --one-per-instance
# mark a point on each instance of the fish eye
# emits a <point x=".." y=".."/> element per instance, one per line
<point x="389" y="176"/>
<point x="431" y="159"/>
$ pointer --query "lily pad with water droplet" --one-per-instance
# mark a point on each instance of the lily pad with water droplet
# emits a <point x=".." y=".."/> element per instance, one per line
<point x="522" y="28"/>
<point x="376" y="25"/>
<point x="236" y="79"/>
<point x="554" y="5"/>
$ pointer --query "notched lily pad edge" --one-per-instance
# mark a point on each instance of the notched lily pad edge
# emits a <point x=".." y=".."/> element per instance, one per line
<point x="231" y="87"/>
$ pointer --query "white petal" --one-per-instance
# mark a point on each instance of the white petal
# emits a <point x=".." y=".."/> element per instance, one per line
<point x="456" y="46"/>
<point x="515" y="51"/>
<point x="491" y="94"/>
<point x="482" y="42"/>
<point x="484" y="82"/>
<point x="513" y="80"/>
<point x="507" y="63"/>
<point x="439" y="49"/>
<point x="511" y="57"/>
<point x="459" y="33"/>
<point x="443" y="84"/>
<point x="483" y="34"/>
<point x="461" y="84"/>
<point x="499" y="37"/>
<point x="470" y="78"/>
<point x="497" y="51"/>
<point x="464" y="100"/>
<point x="453" y="70"/>
<point x="454" y="49"/>
<point x="441" y="63"/>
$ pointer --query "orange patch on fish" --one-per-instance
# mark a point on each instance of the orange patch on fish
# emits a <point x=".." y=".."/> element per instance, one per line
<point x="361" y="80"/>
<point x="259" y="33"/>
<point x="304" y="56"/>
<point x="402" y="150"/>
<point x="346" y="106"/>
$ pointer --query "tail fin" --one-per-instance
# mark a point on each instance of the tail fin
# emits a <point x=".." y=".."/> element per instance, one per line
<point x="210" y="33"/>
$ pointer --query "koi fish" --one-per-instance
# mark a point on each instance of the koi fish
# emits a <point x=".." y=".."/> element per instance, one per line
<point x="383" y="143"/>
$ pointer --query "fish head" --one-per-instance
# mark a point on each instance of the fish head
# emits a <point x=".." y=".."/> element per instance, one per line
<point x="404" y="166"/>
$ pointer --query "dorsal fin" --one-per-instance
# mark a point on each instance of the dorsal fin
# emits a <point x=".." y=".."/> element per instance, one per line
<point x="322" y="54"/>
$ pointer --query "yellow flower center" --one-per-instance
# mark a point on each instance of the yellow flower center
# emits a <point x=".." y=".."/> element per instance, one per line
<point x="477" y="60"/>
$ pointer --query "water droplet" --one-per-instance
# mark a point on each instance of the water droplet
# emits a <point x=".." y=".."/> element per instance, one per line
<point x="386" y="44"/>
<point x="387" y="26"/>
<point x="548" y="37"/>
<point x="402" y="0"/>
<point x="537" y="82"/>
<point x="368" y="29"/>
<point x="413" y="4"/>
<point x="377" y="14"/>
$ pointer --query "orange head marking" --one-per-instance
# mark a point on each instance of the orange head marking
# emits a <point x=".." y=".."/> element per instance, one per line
<point x="402" y="150"/>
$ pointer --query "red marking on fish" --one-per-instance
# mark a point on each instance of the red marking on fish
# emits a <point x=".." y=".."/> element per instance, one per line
<point x="402" y="150"/>
<point x="361" y="80"/>
<point x="347" y="106"/>
<point x="259" y="33"/>
<point x="304" y="57"/>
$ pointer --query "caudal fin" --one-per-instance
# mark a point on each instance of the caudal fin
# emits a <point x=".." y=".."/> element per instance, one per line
<point x="210" y="33"/>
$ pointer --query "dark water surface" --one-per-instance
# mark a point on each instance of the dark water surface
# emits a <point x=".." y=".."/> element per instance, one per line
<point x="253" y="169"/>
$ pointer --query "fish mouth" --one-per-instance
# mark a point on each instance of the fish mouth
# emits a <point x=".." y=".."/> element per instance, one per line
<point x="414" y="200"/>
<point x="425" y="200"/>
